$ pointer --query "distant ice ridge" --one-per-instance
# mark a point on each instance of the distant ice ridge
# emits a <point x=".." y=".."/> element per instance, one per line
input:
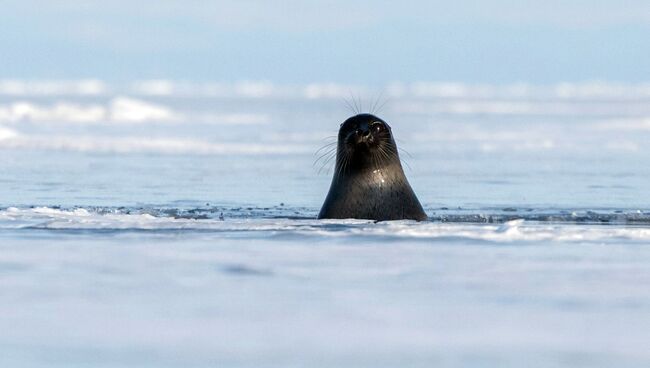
<point x="328" y="90"/>
<point x="12" y="140"/>
<point x="6" y="133"/>
<point x="639" y="124"/>
<point x="164" y="116"/>
<point x="119" y="109"/>
<point x="83" y="87"/>
<point x="175" y="220"/>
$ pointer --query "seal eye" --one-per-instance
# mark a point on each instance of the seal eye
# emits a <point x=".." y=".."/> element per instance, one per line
<point x="377" y="126"/>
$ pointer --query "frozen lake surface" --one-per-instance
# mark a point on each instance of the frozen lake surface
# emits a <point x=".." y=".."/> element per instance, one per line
<point x="171" y="224"/>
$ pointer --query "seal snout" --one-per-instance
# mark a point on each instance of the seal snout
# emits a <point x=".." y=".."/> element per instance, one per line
<point x="363" y="130"/>
<point x="362" y="134"/>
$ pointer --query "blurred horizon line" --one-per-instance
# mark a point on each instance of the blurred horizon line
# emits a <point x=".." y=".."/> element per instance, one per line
<point x="260" y="88"/>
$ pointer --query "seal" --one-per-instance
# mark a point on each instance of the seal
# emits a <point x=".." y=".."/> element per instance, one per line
<point x="369" y="182"/>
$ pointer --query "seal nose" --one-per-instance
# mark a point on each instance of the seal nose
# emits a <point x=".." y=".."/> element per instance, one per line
<point x="363" y="131"/>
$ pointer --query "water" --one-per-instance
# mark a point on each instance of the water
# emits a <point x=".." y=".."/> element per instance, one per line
<point x="173" y="224"/>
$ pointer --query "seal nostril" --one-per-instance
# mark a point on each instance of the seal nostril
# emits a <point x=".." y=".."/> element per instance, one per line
<point x="362" y="133"/>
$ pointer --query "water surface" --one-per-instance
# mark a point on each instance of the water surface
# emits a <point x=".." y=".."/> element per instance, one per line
<point x="147" y="226"/>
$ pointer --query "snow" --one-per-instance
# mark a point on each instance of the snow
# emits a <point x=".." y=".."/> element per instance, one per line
<point x="241" y="298"/>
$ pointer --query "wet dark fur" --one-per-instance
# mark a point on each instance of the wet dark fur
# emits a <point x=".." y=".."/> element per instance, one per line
<point x="369" y="182"/>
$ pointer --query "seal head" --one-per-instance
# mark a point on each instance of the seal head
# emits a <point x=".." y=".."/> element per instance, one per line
<point x="369" y="182"/>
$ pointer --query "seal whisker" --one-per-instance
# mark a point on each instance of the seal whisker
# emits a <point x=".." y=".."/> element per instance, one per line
<point x="360" y="103"/>
<point x="342" y="164"/>
<point x="373" y="162"/>
<point x="328" y="145"/>
<point x="374" y="105"/>
<point x="383" y="153"/>
<point x="356" y="107"/>
<point x="320" y="171"/>
<point x="346" y="162"/>
<point x="323" y="159"/>
<point x="326" y="152"/>
<point x="327" y="156"/>
<point x="339" y="163"/>
<point x="394" y="152"/>
<point x="337" y="167"/>
<point x="405" y="151"/>
<point x="407" y="164"/>
<point x="382" y="105"/>
<point x="325" y="164"/>
<point x="401" y="158"/>
<point x="379" y="161"/>
<point x="349" y="105"/>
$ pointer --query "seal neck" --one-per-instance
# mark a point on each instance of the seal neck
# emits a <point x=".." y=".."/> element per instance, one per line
<point x="386" y="169"/>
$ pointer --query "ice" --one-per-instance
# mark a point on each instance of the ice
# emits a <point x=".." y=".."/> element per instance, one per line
<point x="135" y="145"/>
<point x="288" y="297"/>
<point x="266" y="89"/>
<point x="119" y="109"/>
<point x="84" y="87"/>
<point x="6" y="133"/>
<point x="330" y="90"/>
<point x="60" y="112"/>
<point x="173" y="223"/>
<point x="132" y="110"/>
<point x="254" y="89"/>
<point x="560" y="229"/>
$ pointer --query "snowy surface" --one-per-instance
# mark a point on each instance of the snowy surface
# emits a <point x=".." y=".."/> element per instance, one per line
<point x="172" y="224"/>
<point x="100" y="290"/>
